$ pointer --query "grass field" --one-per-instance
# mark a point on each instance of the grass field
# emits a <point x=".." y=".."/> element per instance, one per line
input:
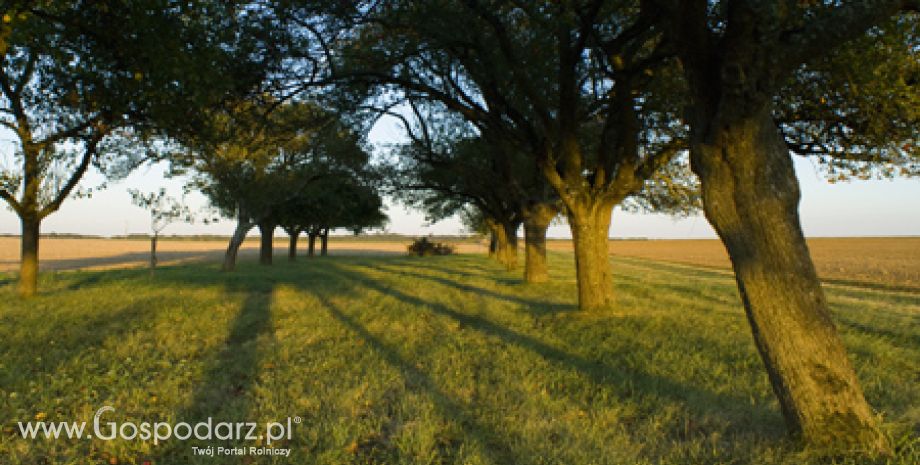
<point x="390" y="359"/>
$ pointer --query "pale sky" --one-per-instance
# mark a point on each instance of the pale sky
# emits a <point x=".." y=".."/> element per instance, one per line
<point x="855" y="208"/>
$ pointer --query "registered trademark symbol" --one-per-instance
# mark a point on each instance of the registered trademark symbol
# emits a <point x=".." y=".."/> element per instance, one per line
<point x="297" y="420"/>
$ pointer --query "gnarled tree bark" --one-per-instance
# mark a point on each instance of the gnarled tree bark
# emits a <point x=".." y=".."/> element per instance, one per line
<point x="505" y="234"/>
<point x="537" y="218"/>
<point x="590" y="225"/>
<point x="751" y="198"/>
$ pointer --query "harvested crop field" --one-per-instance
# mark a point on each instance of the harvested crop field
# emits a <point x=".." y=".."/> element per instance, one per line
<point x="889" y="262"/>
<point x="56" y="254"/>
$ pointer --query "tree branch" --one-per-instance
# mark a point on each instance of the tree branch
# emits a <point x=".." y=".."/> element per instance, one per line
<point x="11" y="201"/>
<point x="89" y="152"/>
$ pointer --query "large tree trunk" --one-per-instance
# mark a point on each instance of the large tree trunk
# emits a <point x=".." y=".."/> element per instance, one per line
<point x="324" y="242"/>
<point x="292" y="245"/>
<point x="505" y="234"/>
<point x="751" y="198"/>
<point x="236" y="240"/>
<point x="311" y="244"/>
<point x="537" y="218"/>
<point x="266" y="248"/>
<point x="590" y="225"/>
<point x="28" y="265"/>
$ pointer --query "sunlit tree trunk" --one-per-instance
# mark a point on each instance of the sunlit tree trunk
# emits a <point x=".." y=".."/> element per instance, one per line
<point x="537" y="218"/>
<point x="505" y="235"/>
<point x="751" y="198"/>
<point x="590" y="225"/>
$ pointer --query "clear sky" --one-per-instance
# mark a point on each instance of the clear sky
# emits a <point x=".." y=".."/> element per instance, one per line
<point x="855" y="208"/>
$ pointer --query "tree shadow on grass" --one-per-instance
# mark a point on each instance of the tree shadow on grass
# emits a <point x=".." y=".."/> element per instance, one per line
<point x="908" y="338"/>
<point x="483" y="436"/>
<point x="65" y="340"/>
<point x="224" y="392"/>
<point x="129" y="260"/>
<point x="533" y="306"/>
<point x="627" y="381"/>
<point x="691" y="293"/>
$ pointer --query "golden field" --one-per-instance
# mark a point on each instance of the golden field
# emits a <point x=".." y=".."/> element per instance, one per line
<point x="892" y="262"/>
<point x="97" y="254"/>
<point x="882" y="261"/>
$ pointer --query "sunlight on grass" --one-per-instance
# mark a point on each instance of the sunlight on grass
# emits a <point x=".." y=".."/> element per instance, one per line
<point x="435" y="360"/>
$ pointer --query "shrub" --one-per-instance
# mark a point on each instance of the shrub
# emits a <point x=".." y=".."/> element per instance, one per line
<point x="423" y="247"/>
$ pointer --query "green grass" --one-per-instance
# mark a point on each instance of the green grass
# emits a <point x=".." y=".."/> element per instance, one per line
<point x="428" y="361"/>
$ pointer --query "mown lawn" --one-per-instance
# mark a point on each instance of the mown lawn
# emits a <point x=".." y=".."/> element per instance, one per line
<point x="436" y="360"/>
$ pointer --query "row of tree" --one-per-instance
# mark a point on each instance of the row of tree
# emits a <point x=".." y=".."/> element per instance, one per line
<point x="603" y="98"/>
<point x="515" y="111"/>
<point x="289" y="164"/>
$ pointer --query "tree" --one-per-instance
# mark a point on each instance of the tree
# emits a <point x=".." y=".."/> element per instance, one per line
<point x="164" y="210"/>
<point x="585" y="89"/>
<point x="78" y="83"/>
<point x="738" y="59"/>
<point x="258" y="155"/>
<point x="342" y="200"/>
<point x="446" y="167"/>
<point x="346" y="199"/>
<point x="450" y="177"/>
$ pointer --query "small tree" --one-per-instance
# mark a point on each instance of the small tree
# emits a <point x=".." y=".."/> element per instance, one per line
<point x="164" y="210"/>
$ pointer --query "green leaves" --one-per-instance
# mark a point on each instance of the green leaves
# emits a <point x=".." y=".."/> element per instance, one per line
<point x="857" y="110"/>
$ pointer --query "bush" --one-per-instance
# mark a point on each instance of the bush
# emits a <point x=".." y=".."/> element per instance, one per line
<point x="423" y="247"/>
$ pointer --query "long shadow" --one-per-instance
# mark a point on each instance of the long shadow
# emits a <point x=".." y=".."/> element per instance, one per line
<point x="630" y="381"/>
<point x="689" y="292"/>
<point x="529" y="304"/>
<point x="468" y="270"/>
<point x="130" y="259"/>
<point x="713" y="271"/>
<point x="66" y="340"/>
<point x="676" y="268"/>
<point x="224" y="390"/>
<point x="907" y="338"/>
<point x="484" y="436"/>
